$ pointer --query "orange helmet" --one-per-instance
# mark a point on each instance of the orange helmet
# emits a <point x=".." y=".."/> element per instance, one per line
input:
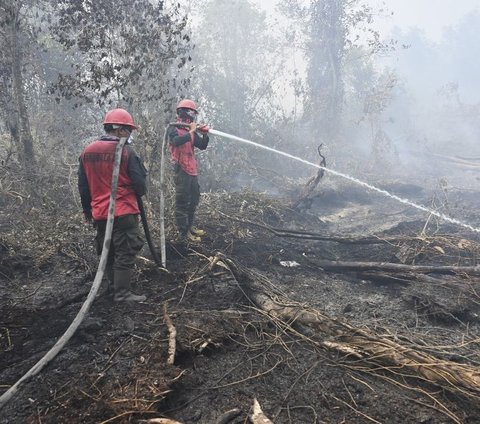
<point x="187" y="104"/>
<point x="119" y="117"/>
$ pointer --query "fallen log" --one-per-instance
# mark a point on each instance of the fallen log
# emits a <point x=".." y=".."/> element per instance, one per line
<point x="369" y="350"/>
<point x="392" y="267"/>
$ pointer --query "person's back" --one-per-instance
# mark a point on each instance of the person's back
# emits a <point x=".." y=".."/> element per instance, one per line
<point x="98" y="158"/>
<point x="95" y="186"/>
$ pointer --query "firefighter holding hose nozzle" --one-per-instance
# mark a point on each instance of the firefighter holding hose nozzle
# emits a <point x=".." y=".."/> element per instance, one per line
<point x="95" y="184"/>
<point x="182" y="140"/>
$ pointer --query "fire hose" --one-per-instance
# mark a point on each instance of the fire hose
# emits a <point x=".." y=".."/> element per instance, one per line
<point x="162" y="174"/>
<point x="5" y="397"/>
<point x="146" y="230"/>
<point x="63" y="340"/>
<point x="322" y="167"/>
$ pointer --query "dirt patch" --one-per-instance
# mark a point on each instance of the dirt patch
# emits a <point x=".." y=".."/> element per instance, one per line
<point x="229" y="352"/>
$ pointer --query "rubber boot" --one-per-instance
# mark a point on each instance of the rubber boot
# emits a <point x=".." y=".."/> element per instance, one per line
<point x="196" y="231"/>
<point x="123" y="289"/>
<point x="106" y="286"/>
<point x="192" y="238"/>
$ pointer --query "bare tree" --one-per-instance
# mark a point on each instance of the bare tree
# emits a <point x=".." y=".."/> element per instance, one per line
<point x="332" y="31"/>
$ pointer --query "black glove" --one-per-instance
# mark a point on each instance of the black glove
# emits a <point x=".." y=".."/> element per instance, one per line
<point x="88" y="215"/>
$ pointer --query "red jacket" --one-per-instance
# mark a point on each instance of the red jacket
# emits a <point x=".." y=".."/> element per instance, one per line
<point x="182" y="144"/>
<point x="95" y="172"/>
<point x="184" y="155"/>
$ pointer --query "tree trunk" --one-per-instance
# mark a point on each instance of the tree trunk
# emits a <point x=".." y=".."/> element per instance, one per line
<point x="16" y="112"/>
<point x="325" y="68"/>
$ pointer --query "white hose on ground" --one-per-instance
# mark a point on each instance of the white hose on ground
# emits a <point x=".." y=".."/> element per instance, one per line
<point x="163" y="250"/>
<point x="62" y="341"/>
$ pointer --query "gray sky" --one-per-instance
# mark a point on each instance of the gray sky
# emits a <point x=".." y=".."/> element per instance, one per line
<point x="430" y="15"/>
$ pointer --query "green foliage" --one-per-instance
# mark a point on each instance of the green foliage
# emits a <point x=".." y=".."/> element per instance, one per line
<point x="124" y="49"/>
<point x="333" y="31"/>
<point x="237" y="68"/>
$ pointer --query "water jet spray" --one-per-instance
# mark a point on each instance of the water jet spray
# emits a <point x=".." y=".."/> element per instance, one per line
<point x="279" y="152"/>
<point x="348" y="177"/>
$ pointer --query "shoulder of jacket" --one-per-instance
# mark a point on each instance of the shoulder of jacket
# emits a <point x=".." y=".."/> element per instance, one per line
<point x="172" y="131"/>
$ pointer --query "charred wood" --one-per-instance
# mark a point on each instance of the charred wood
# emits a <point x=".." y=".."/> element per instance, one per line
<point x="365" y="348"/>
<point x="392" y="267"/>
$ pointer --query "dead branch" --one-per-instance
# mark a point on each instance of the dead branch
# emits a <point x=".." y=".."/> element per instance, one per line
<point x="62" y="341"/>
<point x="172" y="331"/>
<point x="376" y="352"/>
<point x="356" y="410"/>
<point x="305" y="235"/>
<point x="391" y="267"/>
<point x="228" y="416"/>
<point x="258" y="417"/>
<point x="306" y="197"/>
<point x="459" y="161"/>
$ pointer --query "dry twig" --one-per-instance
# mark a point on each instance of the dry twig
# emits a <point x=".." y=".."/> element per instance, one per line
<point x="376" y="352"/>
<point x="172" y="342"/>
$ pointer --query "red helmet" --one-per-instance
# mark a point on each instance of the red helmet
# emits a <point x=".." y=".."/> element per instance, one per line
<point x="187" y="104"/>
<point x="119" y="117"/>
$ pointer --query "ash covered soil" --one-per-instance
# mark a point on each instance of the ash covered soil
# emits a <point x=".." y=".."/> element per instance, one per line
<point x="229" y="351"/>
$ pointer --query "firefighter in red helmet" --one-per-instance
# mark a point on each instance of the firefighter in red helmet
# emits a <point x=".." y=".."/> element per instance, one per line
<point x="182" y="143"/>
<point x="94" y="183"/>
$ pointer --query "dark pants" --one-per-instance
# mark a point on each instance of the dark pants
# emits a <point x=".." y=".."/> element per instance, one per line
<point x="187" y="196"/>
<point x="126" y="242"/>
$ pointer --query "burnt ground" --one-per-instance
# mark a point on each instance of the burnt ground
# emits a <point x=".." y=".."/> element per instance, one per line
<point x="114" y="369"/>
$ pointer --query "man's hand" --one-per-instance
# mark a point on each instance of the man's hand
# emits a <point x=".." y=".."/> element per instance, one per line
<point x="88" y="215"/>
<point x="192" y="127"/>
<point x="203" y="129"/>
